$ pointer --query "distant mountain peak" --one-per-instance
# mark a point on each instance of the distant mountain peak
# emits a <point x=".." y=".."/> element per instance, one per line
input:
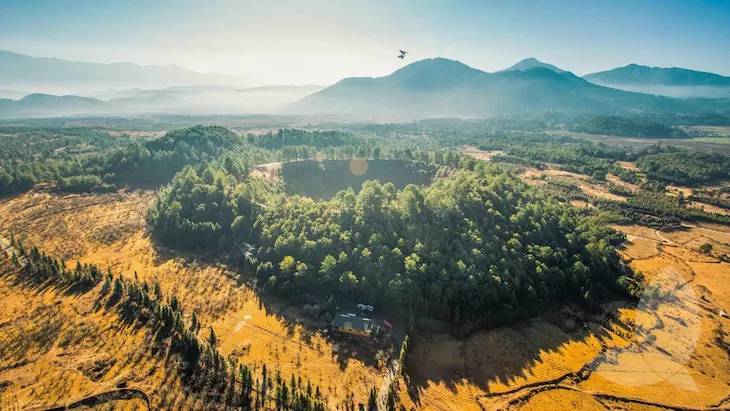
<point x="434" y="71"/>
<point x="447" y="88"/>
<point x="531" y="63"/>
<point x="435" y="61"/>
<point x="671" y="81"/>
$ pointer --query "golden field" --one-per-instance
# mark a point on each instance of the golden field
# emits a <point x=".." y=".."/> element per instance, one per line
<point x="109" y="230"/>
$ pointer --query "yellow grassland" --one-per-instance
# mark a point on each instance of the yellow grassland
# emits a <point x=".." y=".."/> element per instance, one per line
<point x="109" y="230"/>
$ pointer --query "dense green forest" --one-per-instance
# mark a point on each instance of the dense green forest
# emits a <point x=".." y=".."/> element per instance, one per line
<point x="31" y="155"/>
<point x="477" y="247"/>
<point x="210" y="205"/>
<point x="626" y="126"/>
<point x="104" y="165"/>
<point x="685" y="167"/>
<point x="297" y="137"/>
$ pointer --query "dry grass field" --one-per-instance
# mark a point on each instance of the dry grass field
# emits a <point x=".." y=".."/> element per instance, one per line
<point x="57" y="348"/>
<point x="109" y="230"/>
<point x="674" y="352"/>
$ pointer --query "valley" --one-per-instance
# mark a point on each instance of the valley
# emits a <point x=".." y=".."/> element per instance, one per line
<point x="623" y="350"/>
<point x="364" y="206"/>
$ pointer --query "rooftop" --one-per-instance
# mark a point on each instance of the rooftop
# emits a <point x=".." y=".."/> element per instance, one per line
<point x="352" y="321"/>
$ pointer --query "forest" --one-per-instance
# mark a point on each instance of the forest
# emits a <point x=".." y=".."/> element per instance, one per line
<point x="209" y="206"/>
<point x="477" y="247"/>
<point x="474" y="247"/>
<point x="685" y="168"/>
<point x="627" y="126"/>
<point x="109" y="161"/>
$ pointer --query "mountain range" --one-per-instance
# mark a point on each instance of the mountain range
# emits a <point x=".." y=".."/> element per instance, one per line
<point x="436" y="87"/>
<point x="52" y="75"/>
<point x="172" y="100"/>
<point x="441" y="87"/>
<point x="674" y="81"/>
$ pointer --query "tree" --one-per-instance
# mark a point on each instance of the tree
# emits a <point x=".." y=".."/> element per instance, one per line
<point x="373" y="400"/>
<point x="287" y="264"/>
<point x="706" y="248"/>
<point x="212" y="339"/>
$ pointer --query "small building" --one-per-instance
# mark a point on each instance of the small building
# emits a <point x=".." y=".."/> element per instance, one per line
<point x="352" y="324"/>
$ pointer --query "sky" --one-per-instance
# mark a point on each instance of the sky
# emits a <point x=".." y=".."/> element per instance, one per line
<point x="321" y="42"/>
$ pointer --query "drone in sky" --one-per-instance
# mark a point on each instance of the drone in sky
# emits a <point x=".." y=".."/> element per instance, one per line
<point x="402" y="54"/>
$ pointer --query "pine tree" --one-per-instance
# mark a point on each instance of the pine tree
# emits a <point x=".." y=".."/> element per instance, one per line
<point x="372" y="400"/>
<point x="212" y="339"/>
<point x="194" y="324"/>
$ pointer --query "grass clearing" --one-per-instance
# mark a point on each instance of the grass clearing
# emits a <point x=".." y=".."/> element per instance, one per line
<point x="323" y="179"/>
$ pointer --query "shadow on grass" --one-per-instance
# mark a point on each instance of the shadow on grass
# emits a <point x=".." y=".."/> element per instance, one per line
<point x="508" y="355"/>
<point x="299" y="328"/>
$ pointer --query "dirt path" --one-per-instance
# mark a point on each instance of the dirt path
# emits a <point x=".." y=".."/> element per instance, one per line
<point x="521" y="397"/>
<point x="391" y="376"/>
<point x="664" y="239"/>
<point x="104" y="397"/>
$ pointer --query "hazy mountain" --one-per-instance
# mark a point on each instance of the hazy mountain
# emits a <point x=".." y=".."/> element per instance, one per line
<point x="212" y="99"/>
<point x="13" y="94"/>
<point x="445" y="88"/>
<point x="44" y="104"/>
<point x="675" y="82"/>
<point x="61" y="76"/>
<point x="173" y="100"/>
<point x="531" y="63"/>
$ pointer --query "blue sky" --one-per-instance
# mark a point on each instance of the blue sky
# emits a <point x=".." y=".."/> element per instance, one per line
<point x="317" y="41"/>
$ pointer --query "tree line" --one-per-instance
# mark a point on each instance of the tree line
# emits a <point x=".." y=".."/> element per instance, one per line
<point x="144" y="163"/>
<point x="203" y="368"/>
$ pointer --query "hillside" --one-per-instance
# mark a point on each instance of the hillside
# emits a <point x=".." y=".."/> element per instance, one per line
<point x="45" y="104"/>
<point x="446" y="88"/>
<point x="178" y="100"/>
<point x="674" y="81"/>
